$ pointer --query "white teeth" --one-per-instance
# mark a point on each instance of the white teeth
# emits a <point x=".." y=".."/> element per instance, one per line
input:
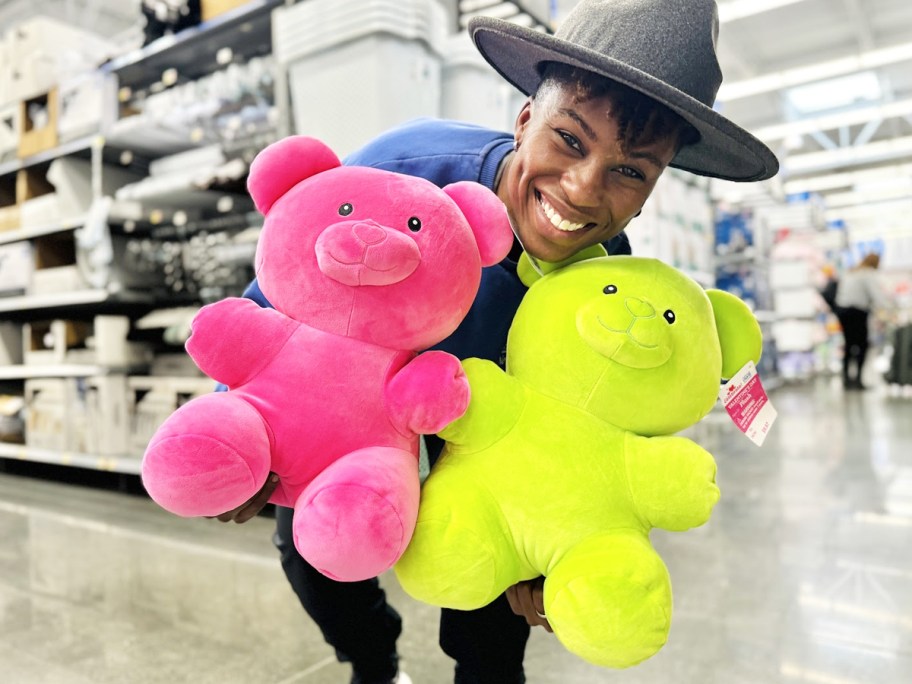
<point x="557" y="220"/>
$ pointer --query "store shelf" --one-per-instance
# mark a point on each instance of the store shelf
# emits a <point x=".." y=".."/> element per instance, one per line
<point x="192" y="52"/>
<point x="19" y="234"/>
<point x="58" y="300"/>
<point x="83" y="144"/>
<point x="57" y="370"/>
<point x="117" y="464"/>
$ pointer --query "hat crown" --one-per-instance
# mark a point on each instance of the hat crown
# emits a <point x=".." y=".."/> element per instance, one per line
<point x="673" y="41"/>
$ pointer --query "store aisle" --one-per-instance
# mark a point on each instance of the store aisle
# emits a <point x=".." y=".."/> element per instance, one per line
<point x="804" y="574"/>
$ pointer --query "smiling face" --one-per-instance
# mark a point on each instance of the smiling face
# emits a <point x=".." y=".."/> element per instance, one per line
<point x="581" y="171"/>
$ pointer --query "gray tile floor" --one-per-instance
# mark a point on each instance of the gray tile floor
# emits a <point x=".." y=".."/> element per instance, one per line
<point x="803" y="575"/>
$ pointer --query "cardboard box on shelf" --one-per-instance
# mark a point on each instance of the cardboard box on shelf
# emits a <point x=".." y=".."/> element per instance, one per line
<point x="55" y="342"/>
<point x="38" y="121"/>
<point x="9" y="210"/>
<point x="103" y="341"/>
<point x="212" y="8"/>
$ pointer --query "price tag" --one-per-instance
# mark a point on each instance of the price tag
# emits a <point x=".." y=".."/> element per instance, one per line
<point x="748" y="404"/>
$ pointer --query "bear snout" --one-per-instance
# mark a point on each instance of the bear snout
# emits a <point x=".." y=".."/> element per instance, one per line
<point x="359" y="253"/>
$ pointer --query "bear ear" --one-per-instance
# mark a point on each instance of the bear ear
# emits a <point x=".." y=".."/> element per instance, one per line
<point x="487" y="216"/>
<point x="283" y="164"/>
<point x="530" y="270"/>
<point x="739" y="331"/>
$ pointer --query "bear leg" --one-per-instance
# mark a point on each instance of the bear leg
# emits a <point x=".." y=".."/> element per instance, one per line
<point x="209" y="457"/>
<point x="353" y="521"/>
<point x="462" y="555"/>
<point x="609" y="600"/>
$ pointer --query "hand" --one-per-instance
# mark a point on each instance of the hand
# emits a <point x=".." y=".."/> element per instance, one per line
<point x="527" y="599"/>
<point x="249" y="509"/>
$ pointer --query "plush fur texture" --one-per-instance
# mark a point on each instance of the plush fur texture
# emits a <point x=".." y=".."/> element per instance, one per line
<point x="563" y="464"/>
<point x="365" y="268"/>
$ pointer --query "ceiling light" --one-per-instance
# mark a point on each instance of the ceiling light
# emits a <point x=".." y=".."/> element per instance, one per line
<point x="788" y="78"/>
<point x="848" y="179"/>
<point x="738" y="9"/>
<point x="849" y="156"/>
<point x="835" y="93"/>
<point x="830" y="122"/>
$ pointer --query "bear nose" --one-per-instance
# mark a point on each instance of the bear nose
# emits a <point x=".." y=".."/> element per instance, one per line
<point x="639" y="308"/>
<point x="369" y="233"/>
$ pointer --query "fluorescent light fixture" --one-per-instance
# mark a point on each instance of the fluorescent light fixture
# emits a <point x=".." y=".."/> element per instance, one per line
<point x="738" y="9"/>
<point x="850" y="179"/>
<point x="782" y="80"/>
<point x="830" y="122"/>
<point x="883" y="150"/>
<point x="835" y="93"/>
<point x="870" y="196"/>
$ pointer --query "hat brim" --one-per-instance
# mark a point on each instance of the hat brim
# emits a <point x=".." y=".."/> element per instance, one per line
<point x="724" y="150"/>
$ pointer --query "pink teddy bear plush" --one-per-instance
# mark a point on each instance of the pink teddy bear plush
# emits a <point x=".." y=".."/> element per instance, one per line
<point x="365" y="268"/>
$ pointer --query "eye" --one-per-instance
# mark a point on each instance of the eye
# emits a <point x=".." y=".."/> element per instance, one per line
<point x="630" y="172"/>
<point x="610" y="289"/>
<point x="571" y="141"/>
<point x="669" y="316"/>
<point x="346" y="209"/>
<point x="414" y="224"/>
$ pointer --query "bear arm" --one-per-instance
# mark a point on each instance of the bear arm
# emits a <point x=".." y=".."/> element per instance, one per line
<point x="427" y="393"/>
<point x="234" y="339"/>
<point x="496" y="402"/>
<point x="672" y="481"/>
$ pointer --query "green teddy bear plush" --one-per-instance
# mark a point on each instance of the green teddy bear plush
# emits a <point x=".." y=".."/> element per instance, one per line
<point x="564" y="463"/>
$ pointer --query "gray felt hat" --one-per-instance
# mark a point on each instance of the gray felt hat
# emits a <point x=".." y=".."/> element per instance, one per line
<point x="665" y="49"/>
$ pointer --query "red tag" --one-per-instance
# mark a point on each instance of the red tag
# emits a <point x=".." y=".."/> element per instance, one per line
<point x="748" y="404"/>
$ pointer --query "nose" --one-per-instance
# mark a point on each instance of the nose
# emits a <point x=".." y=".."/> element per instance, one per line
<point x="583" y="183"/>
<point x="639" y="308"/>
<point x="369" y="233"/>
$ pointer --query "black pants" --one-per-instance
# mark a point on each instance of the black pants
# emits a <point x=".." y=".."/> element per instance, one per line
<point x="854" y="324"/>
<point x="488" y="645"/>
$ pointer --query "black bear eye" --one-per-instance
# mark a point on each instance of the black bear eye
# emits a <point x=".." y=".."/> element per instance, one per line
<point x="346" y="209"/>
<point x="414" y="224"/>
<point x="669" y="316"/>
<point x="610" y="289"/>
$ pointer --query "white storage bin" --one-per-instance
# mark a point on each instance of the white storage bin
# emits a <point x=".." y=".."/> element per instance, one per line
<point x="359" y="67"/>
<point x="52" y="408"/>
<point x="106" y="429"/>
<point x="156" y="398"/>
<point x="17" y="264"/>
<point x="796" y="303"/>
<point x="471" y="90"/>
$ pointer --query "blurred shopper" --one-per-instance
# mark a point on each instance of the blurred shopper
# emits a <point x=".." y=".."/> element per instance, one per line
<point x="623" y="90"/>
<point x="858" y="295"/>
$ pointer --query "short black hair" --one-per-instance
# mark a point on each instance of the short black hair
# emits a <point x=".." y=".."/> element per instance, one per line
<point x="641" y="120"/>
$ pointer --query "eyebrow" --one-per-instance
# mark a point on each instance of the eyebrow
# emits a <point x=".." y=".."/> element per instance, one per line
<point x="587" y="129"/>
<point x="582" y="124"/>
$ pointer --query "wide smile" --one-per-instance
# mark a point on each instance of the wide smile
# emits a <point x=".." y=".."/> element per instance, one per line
<point x="559" y="222"/>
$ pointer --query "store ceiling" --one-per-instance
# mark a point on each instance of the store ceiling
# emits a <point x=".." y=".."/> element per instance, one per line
<point x="828" y="85"/>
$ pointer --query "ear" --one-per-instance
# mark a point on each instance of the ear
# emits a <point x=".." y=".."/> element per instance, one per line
<point x="739" y="332"/>
<point x="522" y="120"/>
<point x="487" y="216"/>
<point x="528" y="273"/>
<point x="284" y="164"/>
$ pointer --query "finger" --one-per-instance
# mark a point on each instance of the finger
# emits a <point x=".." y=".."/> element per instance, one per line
<point x="513" y="600"/>
<point x="256" y="504"/>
